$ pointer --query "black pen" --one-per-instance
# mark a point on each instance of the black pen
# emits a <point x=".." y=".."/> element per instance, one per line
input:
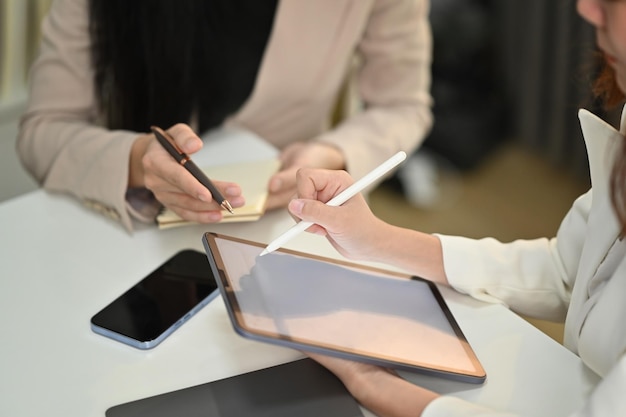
<point x="181" y="157"/>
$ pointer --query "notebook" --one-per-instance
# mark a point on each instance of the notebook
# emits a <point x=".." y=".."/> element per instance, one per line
<point x="240" y="156"/>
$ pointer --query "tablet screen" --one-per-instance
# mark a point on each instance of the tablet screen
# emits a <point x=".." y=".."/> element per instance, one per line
<point x="339" y="308"/>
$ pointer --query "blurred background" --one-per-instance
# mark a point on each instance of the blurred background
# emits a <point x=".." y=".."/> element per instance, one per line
<point x="505" y="158"/>
<point x="19" y="39"/>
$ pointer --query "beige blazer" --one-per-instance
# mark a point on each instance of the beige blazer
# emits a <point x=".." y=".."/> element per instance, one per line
<point x="311" y="48"/>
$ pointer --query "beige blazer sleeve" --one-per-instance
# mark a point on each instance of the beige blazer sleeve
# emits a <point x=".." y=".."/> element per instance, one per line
<point x="60" y="142"/>
<point x="310" y="51"/>
<point x="393" y="84"/>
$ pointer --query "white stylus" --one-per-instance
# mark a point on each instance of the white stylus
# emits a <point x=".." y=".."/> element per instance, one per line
<point x="339" y="199"/>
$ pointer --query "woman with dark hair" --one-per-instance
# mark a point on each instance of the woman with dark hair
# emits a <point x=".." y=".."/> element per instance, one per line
<point x="109" y="69"/>
<point x="579" y="276"/>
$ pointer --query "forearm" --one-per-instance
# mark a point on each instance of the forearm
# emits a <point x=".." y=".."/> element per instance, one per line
<point x="388" y="395"/>
<point x="393" y="84"/>
<point x="75" y="157"/>
<point x="135" y="166"/>
<point x="416" y="252"/>
<point x="375" y="134"/>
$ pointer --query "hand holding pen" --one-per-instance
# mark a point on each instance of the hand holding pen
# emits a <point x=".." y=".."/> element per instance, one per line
<point x="182" y="158"/>
<point x="180" y="185"/>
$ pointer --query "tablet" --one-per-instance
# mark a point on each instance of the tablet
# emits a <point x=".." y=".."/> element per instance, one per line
<point x="338" y="308"/>
<point x="301" y="388"/>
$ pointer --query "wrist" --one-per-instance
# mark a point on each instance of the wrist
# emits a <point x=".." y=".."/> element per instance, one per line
<point x="135" y="164"/>
<point x="383" y="249"/>
<point x="387" y="394"/>
<point x="333" y="156"/>
<point x="364" y="386"/>
<point x="417" y="252"/>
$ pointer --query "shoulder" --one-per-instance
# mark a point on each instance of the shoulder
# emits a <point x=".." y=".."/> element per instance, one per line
<point x="65" y="19"/>
<point x="69" y="8"/>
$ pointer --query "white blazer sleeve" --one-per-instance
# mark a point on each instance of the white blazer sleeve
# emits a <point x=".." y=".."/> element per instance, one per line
<point x="533" y="277"/>
<point x="607" y="399"/>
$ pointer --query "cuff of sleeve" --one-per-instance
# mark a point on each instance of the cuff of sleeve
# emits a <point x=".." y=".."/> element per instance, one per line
<point x="464" y="271"/>
<point x="115" y="213"/>
<point x="142" y="205"/>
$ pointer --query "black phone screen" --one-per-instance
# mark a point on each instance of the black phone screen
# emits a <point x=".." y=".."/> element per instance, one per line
<point x="150" y="310"/>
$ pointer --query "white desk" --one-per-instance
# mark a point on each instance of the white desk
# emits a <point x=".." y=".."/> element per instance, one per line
<point x="61" y="263"/>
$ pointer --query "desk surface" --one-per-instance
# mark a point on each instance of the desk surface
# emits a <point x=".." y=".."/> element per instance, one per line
<point x="61" y="263"/>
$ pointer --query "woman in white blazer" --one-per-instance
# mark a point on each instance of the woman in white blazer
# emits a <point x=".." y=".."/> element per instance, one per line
<point x="273" y="67"/>
<point x="578" y="276"/>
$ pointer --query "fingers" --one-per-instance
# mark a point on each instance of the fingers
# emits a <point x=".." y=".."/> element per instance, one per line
<point x="315" y="187"/>
<point x="199" y="216"/>
<point x="296" y="208"/>
<point x="311" y="210"/>
<point x="185" y="138"/>
<point x="283" y="181"/>
<point x="282" y="188"/>
<point x="176" y="188"/>
<point x="321" y="184"/>
<point x="163" y="174"/>
<point x="279" y="200"/>
<point x="326" y="220"/>
<point x="350" y="227"/>
<point x="310" y="184"/>
<point x="172" y="197"/>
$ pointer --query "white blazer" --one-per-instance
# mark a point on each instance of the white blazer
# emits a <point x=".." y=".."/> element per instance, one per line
<point x="579" y="276"/>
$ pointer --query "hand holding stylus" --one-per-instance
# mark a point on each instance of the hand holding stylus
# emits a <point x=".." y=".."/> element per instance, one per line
<point x="331" y="178"/>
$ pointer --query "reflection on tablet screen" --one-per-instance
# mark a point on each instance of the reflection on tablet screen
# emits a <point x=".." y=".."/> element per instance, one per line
<point x="365" y="314"/>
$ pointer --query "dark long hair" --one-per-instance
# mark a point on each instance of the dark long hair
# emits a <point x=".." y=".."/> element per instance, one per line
<point x="158" y="62"/>
<point x="607" y="89"/>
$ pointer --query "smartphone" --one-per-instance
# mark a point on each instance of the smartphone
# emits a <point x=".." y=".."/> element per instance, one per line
<point x="161" y="302"/>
